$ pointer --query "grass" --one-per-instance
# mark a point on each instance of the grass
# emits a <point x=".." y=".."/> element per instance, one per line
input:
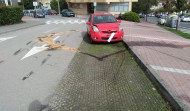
<point x="185" y="35"/>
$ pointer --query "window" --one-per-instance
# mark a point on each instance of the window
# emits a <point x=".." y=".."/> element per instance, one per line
<point x="102" y="7"/>
<point x="119" y="6"/>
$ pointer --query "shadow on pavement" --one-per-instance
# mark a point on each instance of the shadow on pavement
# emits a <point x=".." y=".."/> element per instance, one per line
<point x="36" y="106"/>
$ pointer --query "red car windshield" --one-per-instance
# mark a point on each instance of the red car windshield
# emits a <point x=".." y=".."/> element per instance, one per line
<point x="104" y="19"/>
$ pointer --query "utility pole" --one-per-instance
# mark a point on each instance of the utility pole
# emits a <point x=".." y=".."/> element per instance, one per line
<point x="58" y="6"/>
<point x="23" y="4"/>
<point x="94" y="4"/>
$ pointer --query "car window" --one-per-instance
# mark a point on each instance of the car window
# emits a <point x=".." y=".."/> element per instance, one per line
<point x="104" y="19"/>
<point x="163" y="17"/>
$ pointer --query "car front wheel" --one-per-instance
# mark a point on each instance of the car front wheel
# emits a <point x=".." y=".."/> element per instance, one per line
<point x="91" y="41"/>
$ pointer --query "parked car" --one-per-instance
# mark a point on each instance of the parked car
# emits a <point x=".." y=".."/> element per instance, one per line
<point x="158" y="15"/>
<point x="45" y="12"/>
<point x="39" y="14"/>
<point x="103" y="27"/>
<point x="185" y="19"/>
<point x="141" y="15"/>
<point x="162" y="20"/>
<point x="52" y="12"/>
<point x="67" y="13"/>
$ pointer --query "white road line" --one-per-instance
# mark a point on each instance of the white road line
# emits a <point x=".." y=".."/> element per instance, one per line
<point x="50" y="30"/>
<point x="36" y="50"/>
<point x="159" y="39"/>
<point x="6" y="38"/>
<point x="171" y="69"/>
<point x="66" y="22"/>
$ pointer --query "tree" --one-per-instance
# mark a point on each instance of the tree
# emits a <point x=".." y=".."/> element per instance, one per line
<point x="62" y="3"/>
<point x="28" y="4"/>
<point x="54" y="5"/>
<point x="168" y="6"/>
<point x="144" y="6"/>
<point x="136" y="7"/>
<point x="179" y="4"/>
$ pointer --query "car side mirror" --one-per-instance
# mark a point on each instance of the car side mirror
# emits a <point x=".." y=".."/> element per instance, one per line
<point x="118" y="21"/>
<point x="88" y="23"/>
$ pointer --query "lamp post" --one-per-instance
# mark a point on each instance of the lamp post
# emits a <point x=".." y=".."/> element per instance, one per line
<point x="23" y="4"/>
<point x="58" y="6"/>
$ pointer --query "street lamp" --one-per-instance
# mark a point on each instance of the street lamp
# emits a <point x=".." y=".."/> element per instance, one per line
<point x="58" y="6"/>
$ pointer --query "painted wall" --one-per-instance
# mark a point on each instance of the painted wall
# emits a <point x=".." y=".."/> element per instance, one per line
<point x="84" y="2"/>
<point x="12" y="2"/>
<point x="79" y="9"/>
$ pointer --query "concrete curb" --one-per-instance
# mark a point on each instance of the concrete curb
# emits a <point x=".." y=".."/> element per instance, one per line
<point x="177" y="103"/>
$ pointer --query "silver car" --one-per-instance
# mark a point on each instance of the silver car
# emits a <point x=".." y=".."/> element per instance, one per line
<point x="185" y="19"/>
<point x="162" y="20"/>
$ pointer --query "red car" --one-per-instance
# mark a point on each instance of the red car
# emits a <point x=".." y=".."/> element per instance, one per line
<point x="52" y="12"/>
<point x="104" y="28"/>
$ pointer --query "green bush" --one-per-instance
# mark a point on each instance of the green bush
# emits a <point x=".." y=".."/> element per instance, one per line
<point x="131" y="16"/>
<point x="10" y="15"/>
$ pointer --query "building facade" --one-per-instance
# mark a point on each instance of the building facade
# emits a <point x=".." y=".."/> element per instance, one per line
<point x="46" y="4"/>
<point x="100" y="6"/>
<point x="10" y="2"/>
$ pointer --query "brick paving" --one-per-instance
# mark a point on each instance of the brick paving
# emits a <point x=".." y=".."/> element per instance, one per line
<point x="165" y="53"/>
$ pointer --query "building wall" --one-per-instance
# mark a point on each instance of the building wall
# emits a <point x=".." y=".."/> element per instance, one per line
<point x="74" y="5"/>
<point x="46" y="4"/>
<point x="11" y="2"/>
<point x="79" y="8"/>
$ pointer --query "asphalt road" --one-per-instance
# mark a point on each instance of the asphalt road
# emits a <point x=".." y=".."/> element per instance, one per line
<point x="184" y="26"/>
<point x="27" y="81"/>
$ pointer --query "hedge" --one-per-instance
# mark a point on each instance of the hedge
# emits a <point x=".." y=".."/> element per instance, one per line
<point x="10" y="15"/>
<point x="131" y="16"/>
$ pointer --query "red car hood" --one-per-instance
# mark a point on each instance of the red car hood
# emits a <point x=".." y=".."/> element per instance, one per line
<point x="108" y="26"/>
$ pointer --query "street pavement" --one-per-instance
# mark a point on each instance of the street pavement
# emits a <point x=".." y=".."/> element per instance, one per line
<point x="28" y="73"/>
<point x="165" y="58"/>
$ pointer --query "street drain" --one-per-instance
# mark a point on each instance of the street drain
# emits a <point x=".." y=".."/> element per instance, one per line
<point x="48" y="40"/>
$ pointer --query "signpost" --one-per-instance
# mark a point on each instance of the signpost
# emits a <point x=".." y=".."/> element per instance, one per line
<point x="35" y="4"/>
<point x="95" y="6"/>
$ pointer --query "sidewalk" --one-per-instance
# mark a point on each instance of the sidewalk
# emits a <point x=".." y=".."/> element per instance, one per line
<point x="165" y="57"/>
<point x="28" y="22"/>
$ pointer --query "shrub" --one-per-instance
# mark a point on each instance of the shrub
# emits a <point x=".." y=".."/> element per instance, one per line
<point x="10" y="15"/>
<point x="131" y="16"/>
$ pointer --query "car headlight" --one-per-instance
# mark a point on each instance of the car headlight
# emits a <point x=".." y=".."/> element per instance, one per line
<point x="95" y="29"/>
<point x="120" y="28"/>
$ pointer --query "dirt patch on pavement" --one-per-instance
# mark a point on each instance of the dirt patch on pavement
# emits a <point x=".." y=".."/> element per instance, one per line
<point x="48" y="40"/>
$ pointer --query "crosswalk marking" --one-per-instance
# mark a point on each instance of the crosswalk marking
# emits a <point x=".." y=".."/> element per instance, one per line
<point x="74" y="21"/>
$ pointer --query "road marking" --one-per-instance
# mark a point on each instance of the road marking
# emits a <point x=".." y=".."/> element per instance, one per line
<point x="159" y="39"/>
<point x="171" y="69"/>
<point x="48" y="42"/>
<point x="36" y="50"/>
<point x="111" y="37"/>
<point x="66" y="21"/>
<point x="6" y="38"/>
<point x="50" y="30"/>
